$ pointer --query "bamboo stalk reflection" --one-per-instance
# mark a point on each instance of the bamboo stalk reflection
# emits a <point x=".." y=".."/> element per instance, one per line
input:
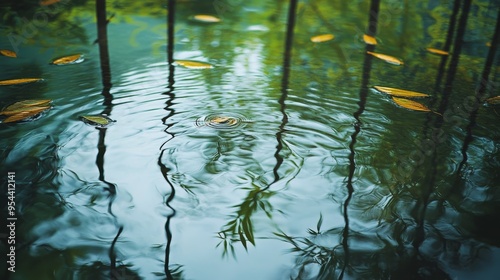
<point x="480" y="94"/>
<point x="240" y="229"/>
<point x="165" y="171"/>
<point x="102" y="39"/>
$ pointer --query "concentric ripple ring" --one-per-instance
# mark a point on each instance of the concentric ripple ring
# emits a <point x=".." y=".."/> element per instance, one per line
<point x="222" y="120"/>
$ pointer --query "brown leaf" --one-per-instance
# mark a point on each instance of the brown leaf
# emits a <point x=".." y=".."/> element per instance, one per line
<point x="494" y="100"/>
<point x="19" y="81"/>
<point x="26" y="113"/>
<point x="27" y="103"/>
<point x="322" y="38"/>
<point x="370" y="40"/>
<point x="23" y="109"/>
<point x="400" y="92"/>
<point x="410" y="104"/>
<point x="70" y="59"/>
<point x="436" y="51"/>
<point x="8" y="53"/>
<point x="386" y="58"/>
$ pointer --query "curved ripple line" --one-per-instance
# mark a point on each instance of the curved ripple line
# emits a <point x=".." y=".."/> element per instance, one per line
<point x="222" y="120"/>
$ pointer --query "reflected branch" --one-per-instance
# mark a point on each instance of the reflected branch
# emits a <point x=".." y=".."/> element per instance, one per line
<point x="176" y="272"/>
<point x="480" y="92"/>
<point x="363" y="93"/>
<point x="449" y="38"/>
<point x="112" y="255"/>
<point x="102" y="38"/>
<point x="457" y="49"/>
<point x="240" y="228"/>
<point x="165" y="171"/>
<point x="170" y="31"/>
<point x="292" y="10"/>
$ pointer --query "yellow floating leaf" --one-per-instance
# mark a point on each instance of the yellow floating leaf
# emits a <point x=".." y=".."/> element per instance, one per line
<point x="8" y="53"/>
<point x="386" y="58"/>
<point x="436" y="51"/>
<point x="370" y="40"/>
<point x="322" y="38"/>
<point x="27" y="103"/>
<point x="98" y="120"/>
<point x="193" y="64"/>
<point x="494" y="100"/>
<point x="70" y="59"/>
<point x="206" y="18"/>
<point x="25" y="113"/>
<point x="410" y="104"/>
<point x="19" y="81"/>
<point x="400" y="92"/>
<point x="488" y="44"/>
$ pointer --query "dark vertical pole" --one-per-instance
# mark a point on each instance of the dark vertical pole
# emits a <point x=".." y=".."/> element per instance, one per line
<point x="372" y="31"/>
<point x="284" y="85"/>
<point x="457" y="49"/>
<point x="102" y="37"/>
<point x="163" y="168"/>
<point x="449" y="38"/>
<point x="170" y="31"/>
<point x="480" y="92"/>
<point x="373" y="18"/>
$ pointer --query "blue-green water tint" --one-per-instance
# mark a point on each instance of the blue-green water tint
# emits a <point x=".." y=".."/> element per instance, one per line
<point x="77" y="186"/>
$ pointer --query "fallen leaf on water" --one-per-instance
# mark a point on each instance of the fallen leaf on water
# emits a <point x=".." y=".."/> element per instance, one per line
<point x="8" y="53"/>
<point x="193" y="64"/>
<point x="436" y="51"/>
<point x="410" y="104"/>
<point x="25" y="113"/>
<point x="27" y="103"/>
<point x="400" y="92"/>
<point x="70" y="59"/>
<point x="96" y="120"/>
<point x="488" y="44"/>
<point x="386" y="58"/>
<point x="206" y="18"/>
<point x="370" y="40"/>
<point x="48" y="2"/>
<point x="19" y="81"/>
<point x="322" y="38"/>
<point x="494" y="100"/>
<point x="23" y="110"/>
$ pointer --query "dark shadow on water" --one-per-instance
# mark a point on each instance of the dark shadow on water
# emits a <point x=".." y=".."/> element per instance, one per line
<point x="102" y="40"/>
<point x="480" y="95"/>
<point x="240" y="228"/>
<point x="447" y="44"/>
<point x="171" y="273"/>
<point x="457" y="49"/>
<point x="363" y="93"/>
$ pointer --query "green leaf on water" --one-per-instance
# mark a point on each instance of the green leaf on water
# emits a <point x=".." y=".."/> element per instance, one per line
<point x="247" y="228"/>
<point x="243" y="240"/>
<point x="320" y="222"/>
<point x="98" y="120"/>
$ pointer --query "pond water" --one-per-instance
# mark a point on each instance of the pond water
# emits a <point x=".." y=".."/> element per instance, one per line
<point x="265" y="166"/>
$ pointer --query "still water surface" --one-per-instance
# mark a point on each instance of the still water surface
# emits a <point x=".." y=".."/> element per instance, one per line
<point x="323" y="178"/>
